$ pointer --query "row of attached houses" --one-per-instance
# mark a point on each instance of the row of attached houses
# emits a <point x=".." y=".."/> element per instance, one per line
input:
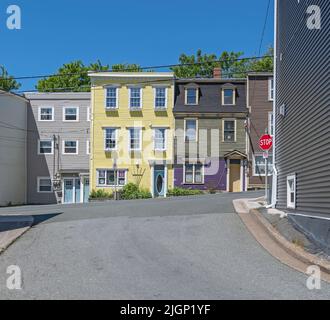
<point x="147" y="128"/>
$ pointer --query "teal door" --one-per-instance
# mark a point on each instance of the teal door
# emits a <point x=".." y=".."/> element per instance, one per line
<point x="68" y="191"/>
<point x="159" y="181"/>
<point x="86" y="190"/>
<point x="77" y="191"/>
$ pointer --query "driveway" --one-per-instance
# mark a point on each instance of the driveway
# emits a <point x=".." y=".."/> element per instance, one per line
<point x="180" y="248"/>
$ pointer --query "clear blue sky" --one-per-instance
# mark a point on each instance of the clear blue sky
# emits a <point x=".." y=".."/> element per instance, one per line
<point x="146" y="32"/>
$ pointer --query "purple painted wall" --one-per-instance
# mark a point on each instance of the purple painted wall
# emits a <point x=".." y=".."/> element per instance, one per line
<point x="215" y="176"/>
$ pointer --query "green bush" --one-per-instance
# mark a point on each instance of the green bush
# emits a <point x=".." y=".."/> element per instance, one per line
<point x="100" y="194"/>
<point x="132" y="191"/>
<point x="180" y="192"/>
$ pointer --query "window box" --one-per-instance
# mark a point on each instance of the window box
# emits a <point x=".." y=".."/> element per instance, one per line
<point x="291" y="191"/>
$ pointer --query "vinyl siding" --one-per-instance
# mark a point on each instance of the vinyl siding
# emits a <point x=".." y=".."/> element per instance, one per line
<point x="303" y="85"/>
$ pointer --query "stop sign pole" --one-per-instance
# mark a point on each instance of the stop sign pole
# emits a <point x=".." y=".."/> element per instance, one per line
<point x="266" y="143"/>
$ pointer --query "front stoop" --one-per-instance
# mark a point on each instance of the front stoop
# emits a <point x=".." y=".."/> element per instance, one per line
<point x="275" y="243"/>
<point x="11" y="228"/>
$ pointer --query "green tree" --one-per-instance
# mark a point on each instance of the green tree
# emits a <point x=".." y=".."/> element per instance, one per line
<point x="72" y="76"/>
<point x="126" y="68"/>
<point x="7" y="82"/>
<point x="265" y="64"/>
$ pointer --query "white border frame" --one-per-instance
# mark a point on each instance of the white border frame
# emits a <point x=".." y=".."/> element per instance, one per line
<point x="186" y="96"/>
<point x="223" y="97"/>
<point x="110" y="186"/>
<point x="46" y="107"/>
<point x="289" y="204"/>
<point x="45" y="154"/>
<point x="113" y="86"/>
<point x="154" y="138"/>
<point x="68" y="107"/>
<point x="88" y="147"/>
<point x="104" y="139"/>
<point x="185" y="130"/>
<point x="254" y="173"/>
<point x="129" y="87"/>
<point x="271" y="88"/>
<point x="129" y="139"/>
<point x="38" y="185"/>
<point x="223" y="130"/>
<point x="193" y="183"/>
<point x="166" y="97"/>
<point x="70" y="154"/>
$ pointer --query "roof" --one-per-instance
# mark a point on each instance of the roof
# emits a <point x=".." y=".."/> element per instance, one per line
<point x="169" y="75"/>
<point x="12" y="94"/>
<point x="57" y="95"/>
<point x="211" y="80"/>
<point x="260" y="74"/>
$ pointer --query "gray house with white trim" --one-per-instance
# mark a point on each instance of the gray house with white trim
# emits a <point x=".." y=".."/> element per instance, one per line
<point x="58" y="147"/>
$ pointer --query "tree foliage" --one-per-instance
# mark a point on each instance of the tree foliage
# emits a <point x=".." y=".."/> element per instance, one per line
<point x="7" y="82"/>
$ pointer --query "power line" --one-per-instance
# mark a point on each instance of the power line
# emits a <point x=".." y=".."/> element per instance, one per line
<point x="264" y="27"/>
<point x="135" y="69"/>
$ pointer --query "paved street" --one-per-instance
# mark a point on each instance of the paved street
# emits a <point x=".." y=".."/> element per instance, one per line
<point x="182" y="248"/>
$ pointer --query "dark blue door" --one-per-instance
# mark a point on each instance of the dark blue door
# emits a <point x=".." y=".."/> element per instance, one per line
<point x="159" y="181"/>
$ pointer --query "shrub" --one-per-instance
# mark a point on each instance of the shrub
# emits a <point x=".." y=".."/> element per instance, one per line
<point x="100" y="194"/>
<point x="180" y="192"/>
<point x="132" y="191"/>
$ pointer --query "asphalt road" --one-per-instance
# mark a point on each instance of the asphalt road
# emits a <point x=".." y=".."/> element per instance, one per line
<point x="183" y="248"/>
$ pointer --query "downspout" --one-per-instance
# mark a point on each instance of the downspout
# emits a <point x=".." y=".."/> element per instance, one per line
<point x="275" y="172"/>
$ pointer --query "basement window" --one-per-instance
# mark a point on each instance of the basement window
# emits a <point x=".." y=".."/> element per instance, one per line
<point x="291" y="192"/>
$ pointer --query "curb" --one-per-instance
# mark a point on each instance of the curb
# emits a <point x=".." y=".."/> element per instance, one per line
<point x="17" y="226"/>
<point x="250" y="216"/>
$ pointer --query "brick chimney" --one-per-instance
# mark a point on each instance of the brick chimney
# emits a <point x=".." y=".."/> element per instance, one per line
<point x="217" y="73"/>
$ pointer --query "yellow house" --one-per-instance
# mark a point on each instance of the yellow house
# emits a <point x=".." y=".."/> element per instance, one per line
<point x="132" y="130"/>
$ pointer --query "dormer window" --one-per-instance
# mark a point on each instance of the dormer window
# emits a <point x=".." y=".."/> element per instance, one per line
<point x="191" y="96"/>
<point x="228" y="97"/>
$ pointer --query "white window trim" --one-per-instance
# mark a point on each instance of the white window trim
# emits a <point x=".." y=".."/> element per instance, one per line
<point x="43" y="154"/>
<point x="88" y="114"/>
<point x="46" y="107"/>
<point x="223" y="97"/>
<point x="88" y="147"/>
<point x="129" y="139"/>
<point x="223" y="130"/>
<point x="107" y="185"/>
<point x="291" y="205"/>
<point x="165" y="142"/>
<point x="129" y="98"/>
<point x="255" y="173"/>
<point x="155" y="96"/>
<point x="70" y="154"/>
<point x="38" y="184"/>
<point x="114" y="86"/>
<point x="186" y="97"/>
<point x="104" y="138"/>
<point x="73" y="107"/>
<point x="270" y="123"/>
<point x="193" y="183"/>
<point x="185" y="130"/>
<point x="270" y="89"/>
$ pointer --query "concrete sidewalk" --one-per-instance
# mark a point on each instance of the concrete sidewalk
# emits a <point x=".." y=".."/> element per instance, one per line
<point x="260" y="222"/>
<point x="12" y="227"/>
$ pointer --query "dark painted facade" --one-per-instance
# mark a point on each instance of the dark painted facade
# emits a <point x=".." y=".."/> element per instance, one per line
<point x="302" y="131"/>
<point x="220" y="143"/>
<point x="260" y="103"/>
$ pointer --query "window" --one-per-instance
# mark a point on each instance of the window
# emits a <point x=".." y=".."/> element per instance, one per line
<point x="110" y="139"/>
<point x="111" y="178"/>
<point x="46" y="114"/>
<point x="88" y="114"/>
<point x="291" y="192"/>
<point x="259" y="166"/>
<point x="46" y="146"/>
<point x="271" y="89"/>
<point x="45" y="185"/>
<point x="191" y="96"/>
<point x="229" y="134"/>
<point x="160" y="98"/>
<point x="111" y="98"/>
<point x="135" y="98"/>
<point x="194" y="174"/>
<point x="70" y="147"/>
<point x="160" y="139"/>
<point x="191" y="129"/>
<point x="228" y="97"/>
<point x="88" y="147"/>
<point x="135" y="139"/>
<point x="270" y="123"/>
<point x="71" y="114"/>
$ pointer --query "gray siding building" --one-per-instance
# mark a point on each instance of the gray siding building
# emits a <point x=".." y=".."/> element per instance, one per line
<point x="58" y="147"/>
<point x="302" y="109"/>
<point x="13" y="135"/>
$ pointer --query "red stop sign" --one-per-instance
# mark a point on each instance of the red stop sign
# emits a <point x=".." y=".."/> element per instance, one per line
<point x="266" y="142"/>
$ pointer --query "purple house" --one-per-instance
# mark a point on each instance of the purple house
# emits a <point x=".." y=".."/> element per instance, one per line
<point x="210" y="134"/>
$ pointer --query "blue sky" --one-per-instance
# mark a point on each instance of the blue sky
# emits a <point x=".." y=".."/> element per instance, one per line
<point x="147" y="32"/>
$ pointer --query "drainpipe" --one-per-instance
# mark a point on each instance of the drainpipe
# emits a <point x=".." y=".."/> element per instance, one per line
<point x="275" y="172"/>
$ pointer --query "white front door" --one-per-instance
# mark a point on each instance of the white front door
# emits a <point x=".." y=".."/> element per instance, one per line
<point x="71" y="190"/>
